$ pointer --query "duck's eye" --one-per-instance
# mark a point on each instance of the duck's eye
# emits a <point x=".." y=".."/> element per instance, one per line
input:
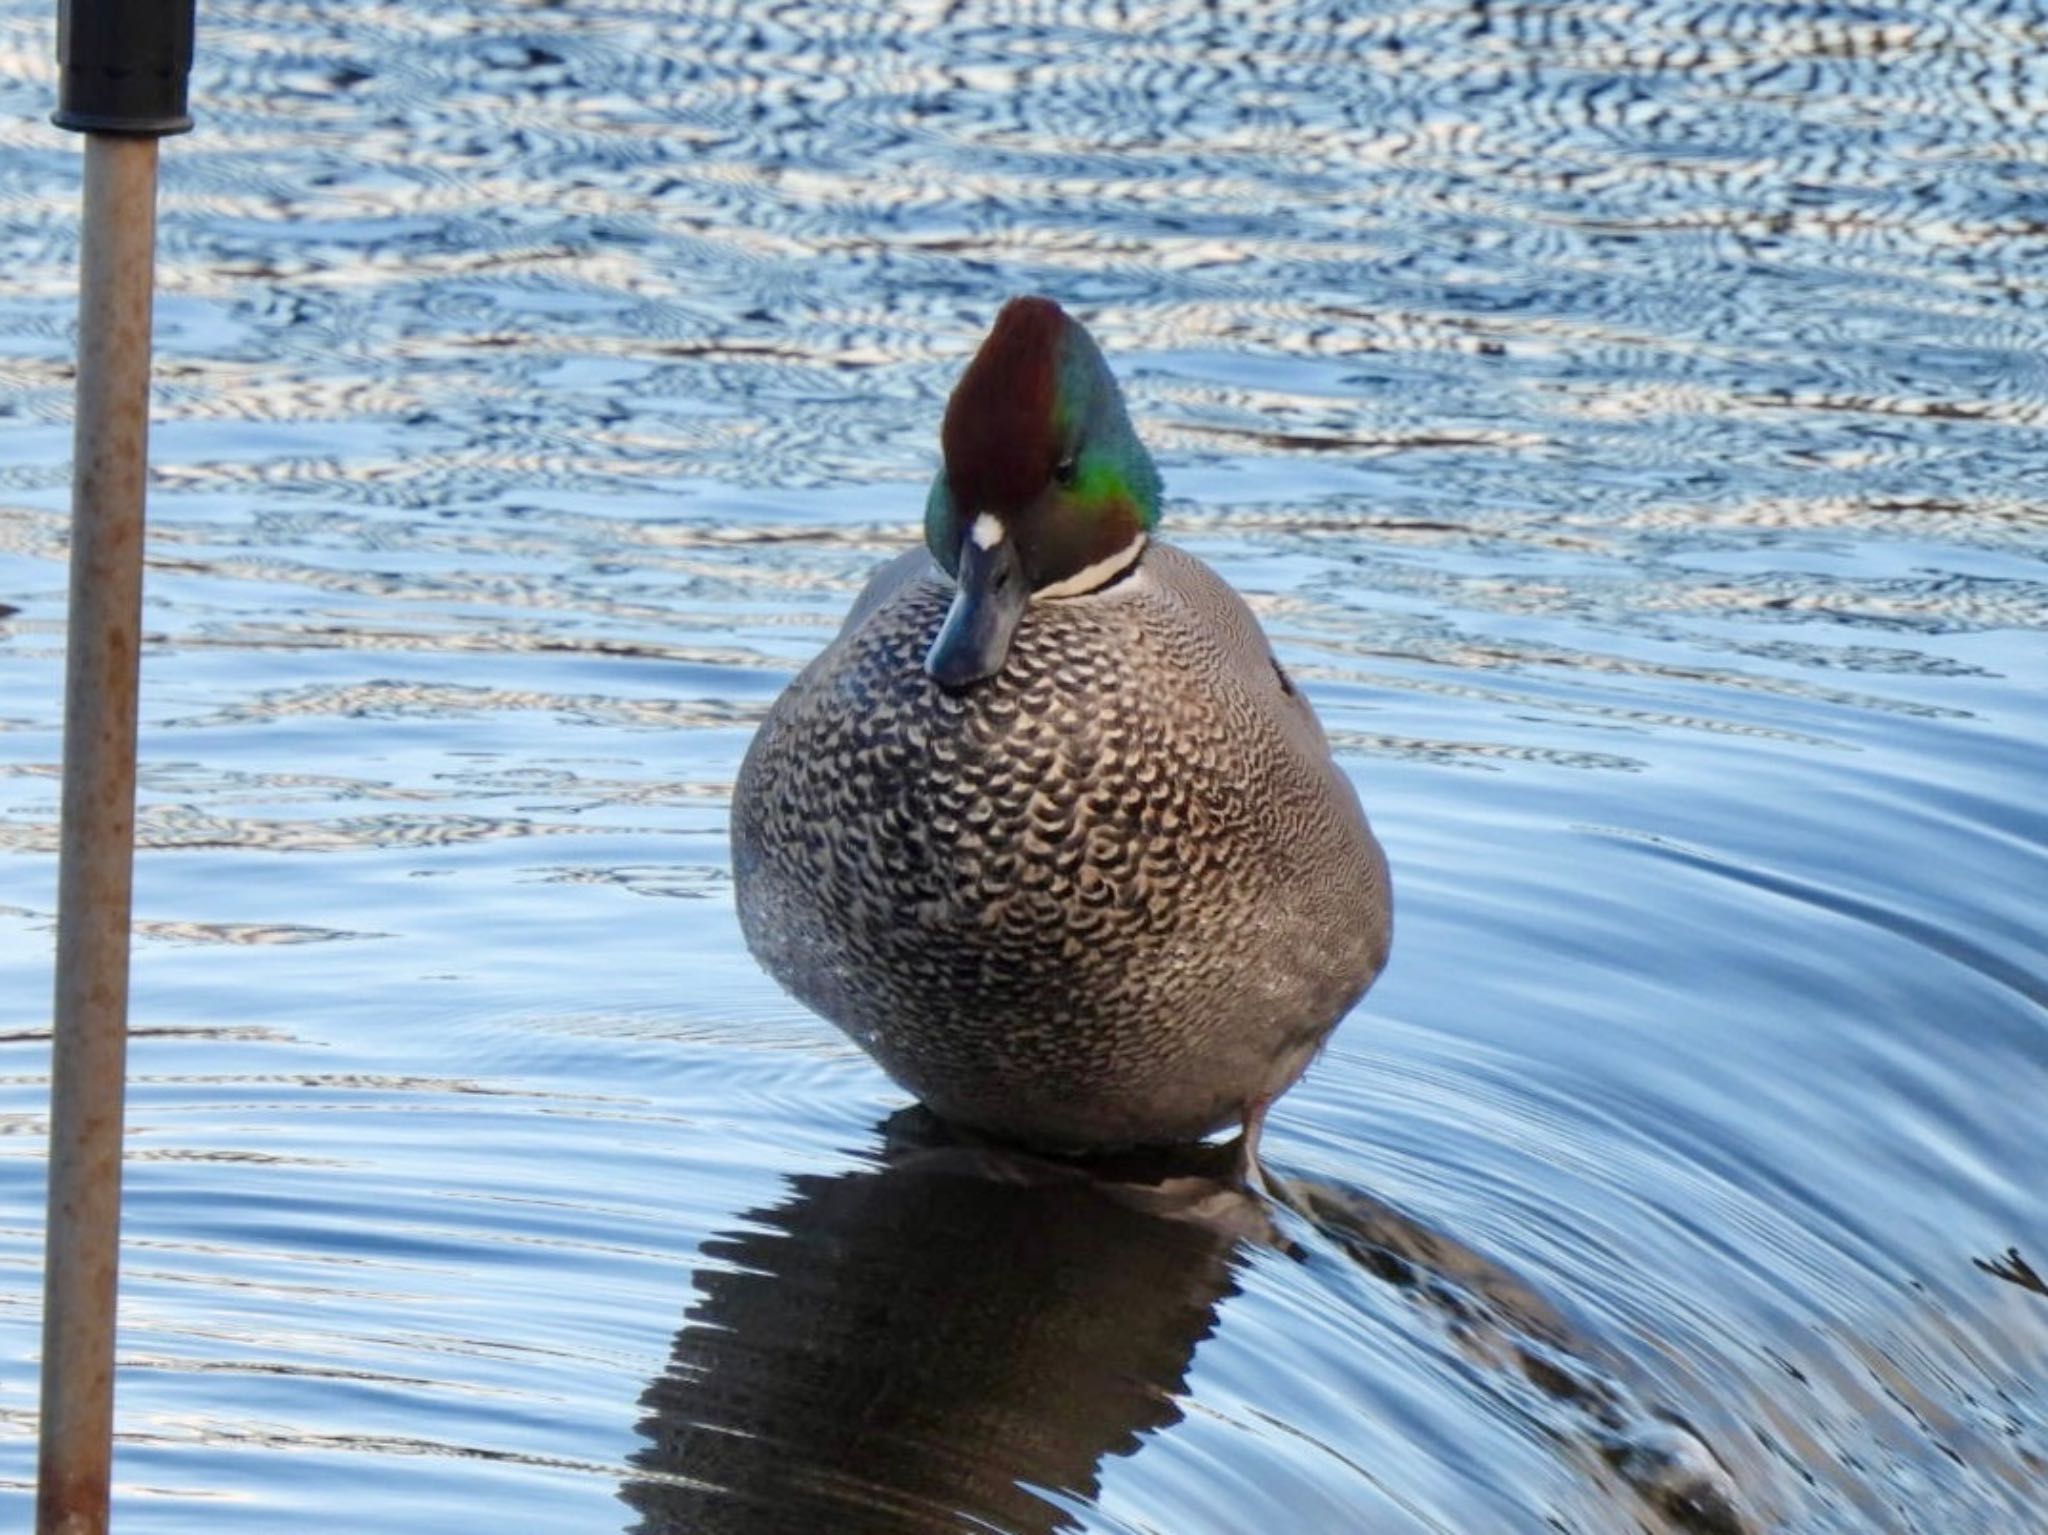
<point x="1063" y="471"/>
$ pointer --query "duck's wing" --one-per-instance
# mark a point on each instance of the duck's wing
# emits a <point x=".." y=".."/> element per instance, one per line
<point x="1217" y="611"/>
<point x="907" y="568"/>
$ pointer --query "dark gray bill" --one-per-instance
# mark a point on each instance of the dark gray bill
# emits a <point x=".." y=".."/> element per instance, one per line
<point x="976" y="634"/>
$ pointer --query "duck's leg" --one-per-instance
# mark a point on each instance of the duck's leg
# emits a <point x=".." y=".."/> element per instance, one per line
<point x="1249" y="1173"/>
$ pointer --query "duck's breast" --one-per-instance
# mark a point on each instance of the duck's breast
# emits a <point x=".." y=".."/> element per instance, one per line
<point x="1128" y="857"/>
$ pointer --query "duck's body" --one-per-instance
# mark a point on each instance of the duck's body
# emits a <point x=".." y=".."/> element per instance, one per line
<point x="1111" y="891"/>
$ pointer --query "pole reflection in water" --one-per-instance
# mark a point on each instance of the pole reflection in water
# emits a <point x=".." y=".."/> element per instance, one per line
<point x="919" y="1345"/>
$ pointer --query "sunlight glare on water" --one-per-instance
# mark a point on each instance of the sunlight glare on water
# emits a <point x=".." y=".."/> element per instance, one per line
<point x="1627" y="421"/>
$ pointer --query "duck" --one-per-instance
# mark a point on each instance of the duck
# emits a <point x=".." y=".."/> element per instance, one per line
<point x="1046" y="829"/>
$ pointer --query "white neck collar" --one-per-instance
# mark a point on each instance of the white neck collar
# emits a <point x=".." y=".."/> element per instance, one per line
<point x="1101" y="573"/>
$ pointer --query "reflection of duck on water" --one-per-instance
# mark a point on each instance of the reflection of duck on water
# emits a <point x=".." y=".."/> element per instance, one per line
<point x="895" y="1348"/>
<point x="921" y="1346"/>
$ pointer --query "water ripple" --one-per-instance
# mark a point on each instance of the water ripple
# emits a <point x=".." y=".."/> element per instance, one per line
<point x="1652" y="391"/>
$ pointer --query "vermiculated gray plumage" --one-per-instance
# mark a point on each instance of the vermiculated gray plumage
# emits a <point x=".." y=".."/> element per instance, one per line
<point x="1115" y="894"/>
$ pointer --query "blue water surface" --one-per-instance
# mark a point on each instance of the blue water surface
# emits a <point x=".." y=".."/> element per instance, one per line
<point x="1629" y="422"/>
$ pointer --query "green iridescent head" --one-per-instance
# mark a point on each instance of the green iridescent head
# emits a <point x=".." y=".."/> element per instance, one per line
<point x="1046" y="491"/>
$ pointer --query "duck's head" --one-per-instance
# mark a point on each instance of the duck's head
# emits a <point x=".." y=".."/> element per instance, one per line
<point x="1046" y="491"/>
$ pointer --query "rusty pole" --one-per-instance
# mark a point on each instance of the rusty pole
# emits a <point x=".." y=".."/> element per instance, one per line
<point x="124" y="70"/>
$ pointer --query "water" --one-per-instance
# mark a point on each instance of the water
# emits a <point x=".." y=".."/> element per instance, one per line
<point x="1627" y="419"/>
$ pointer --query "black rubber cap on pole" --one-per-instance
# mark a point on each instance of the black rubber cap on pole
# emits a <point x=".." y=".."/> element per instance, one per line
<point x="125" y="66"/>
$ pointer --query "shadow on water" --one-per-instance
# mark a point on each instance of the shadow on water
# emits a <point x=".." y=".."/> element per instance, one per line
<point x="1499" y="1320"/>
<point x="957" y="1336"/>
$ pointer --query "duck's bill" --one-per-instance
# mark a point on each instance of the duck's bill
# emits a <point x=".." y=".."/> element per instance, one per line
<point x="976" y="634"/>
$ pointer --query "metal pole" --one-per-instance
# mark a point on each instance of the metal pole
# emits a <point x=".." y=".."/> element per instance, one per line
<point x="89" y="1065"/>
<point x="125" y="63"/>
